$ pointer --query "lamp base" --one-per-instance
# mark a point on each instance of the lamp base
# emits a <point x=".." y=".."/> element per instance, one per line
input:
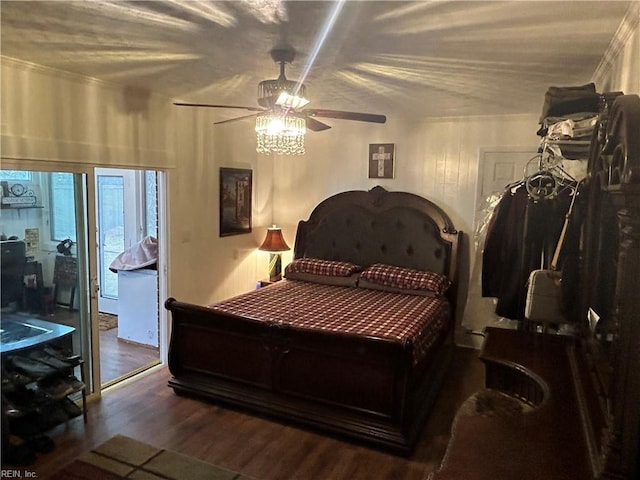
<point x="275" y="267"/>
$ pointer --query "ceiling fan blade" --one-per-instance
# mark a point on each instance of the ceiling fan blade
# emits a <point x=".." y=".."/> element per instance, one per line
<point x="341" y="115"/>
<point x="251" y="109"/>
<point x="316" y="126"/>
<point x="236" y="119"/>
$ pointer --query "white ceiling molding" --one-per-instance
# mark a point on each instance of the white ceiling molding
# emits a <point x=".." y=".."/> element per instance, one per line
<point x="629" y="24"/>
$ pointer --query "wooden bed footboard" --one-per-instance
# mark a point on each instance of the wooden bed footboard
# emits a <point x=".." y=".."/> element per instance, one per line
<point x="366" y="388"/>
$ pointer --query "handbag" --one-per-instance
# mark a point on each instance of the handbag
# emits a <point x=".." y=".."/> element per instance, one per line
<point x="544" y="297"/>
<point x="544" y="287"/>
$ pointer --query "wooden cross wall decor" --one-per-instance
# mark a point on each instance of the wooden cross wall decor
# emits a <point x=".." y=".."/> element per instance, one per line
<point x="381" y="160"/>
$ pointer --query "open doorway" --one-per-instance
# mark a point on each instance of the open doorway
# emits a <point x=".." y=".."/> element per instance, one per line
<point x="128" y="302"/>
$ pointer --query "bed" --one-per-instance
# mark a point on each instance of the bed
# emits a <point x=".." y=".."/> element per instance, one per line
<point x="355" y="340"/>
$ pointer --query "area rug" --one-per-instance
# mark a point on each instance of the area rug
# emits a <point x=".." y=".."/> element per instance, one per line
<point x="107" y="321"/>
<point x="124" y="457"/>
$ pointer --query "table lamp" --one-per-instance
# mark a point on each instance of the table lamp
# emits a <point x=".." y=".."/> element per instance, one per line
<point x="274" y="243"/>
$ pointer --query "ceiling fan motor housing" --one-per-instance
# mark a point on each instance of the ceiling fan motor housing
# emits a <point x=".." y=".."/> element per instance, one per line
<point x="284" y="54"/>
<point x="270" y="90"/>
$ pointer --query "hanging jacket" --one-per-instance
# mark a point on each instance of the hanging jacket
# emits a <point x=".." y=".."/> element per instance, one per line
<point x="521" y="237"/>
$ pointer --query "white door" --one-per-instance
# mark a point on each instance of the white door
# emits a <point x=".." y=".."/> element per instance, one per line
<point x="498" y="169"/>
<point x="119" y="226"/>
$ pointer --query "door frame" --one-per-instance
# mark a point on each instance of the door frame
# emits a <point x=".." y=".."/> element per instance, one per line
<point x="87" y="269"/>
<point x="132" y="216"/>
<point x="92" y="343"/>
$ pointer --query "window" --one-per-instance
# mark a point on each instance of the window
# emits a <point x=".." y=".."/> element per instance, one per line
<point x="15" y="175"/>
<point x="151" y="191"/>
<point x="63" y="207"/>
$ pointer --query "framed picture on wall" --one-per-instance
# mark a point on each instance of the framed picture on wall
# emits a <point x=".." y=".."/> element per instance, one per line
<point x="381" y="160"/>
<point x="235" y="201"/>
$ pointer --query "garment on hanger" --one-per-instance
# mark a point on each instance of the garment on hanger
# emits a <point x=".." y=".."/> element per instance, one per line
<point x="521" y="237"/>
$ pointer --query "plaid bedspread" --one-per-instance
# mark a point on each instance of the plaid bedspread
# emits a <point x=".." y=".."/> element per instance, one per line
<point x="412" y="319"/>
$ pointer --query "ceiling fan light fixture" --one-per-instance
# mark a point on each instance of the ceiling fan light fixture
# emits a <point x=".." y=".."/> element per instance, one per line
<point x="280" y="134"/>
<point x="287" y="100"/>
<point x="270" y="90"/>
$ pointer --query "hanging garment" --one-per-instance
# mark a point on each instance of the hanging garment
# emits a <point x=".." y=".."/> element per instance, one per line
<point x="503" y="234"/>
<point x="521" y="238"/>
<point x="479" y="311"/>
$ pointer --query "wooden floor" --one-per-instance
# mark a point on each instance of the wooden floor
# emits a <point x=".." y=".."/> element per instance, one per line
<point x="149" y="411"/>
<point x="118" y="357"/>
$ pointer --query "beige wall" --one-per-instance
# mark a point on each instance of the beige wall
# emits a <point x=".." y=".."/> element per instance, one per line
<point x="437" y="159"/>
<point x="205" y="267"/>
<point x="50" y="115"/>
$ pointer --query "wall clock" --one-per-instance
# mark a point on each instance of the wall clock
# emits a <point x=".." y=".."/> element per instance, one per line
<point x="17" y="189"/>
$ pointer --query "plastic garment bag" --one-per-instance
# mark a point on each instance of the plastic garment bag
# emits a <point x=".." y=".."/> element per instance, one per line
<point x="480" y="311"/>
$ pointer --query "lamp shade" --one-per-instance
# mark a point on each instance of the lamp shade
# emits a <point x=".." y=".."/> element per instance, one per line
<point x="274" y="241"/>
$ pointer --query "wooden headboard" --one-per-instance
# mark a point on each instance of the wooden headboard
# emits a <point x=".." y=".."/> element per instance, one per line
<point x="377" y="226"/>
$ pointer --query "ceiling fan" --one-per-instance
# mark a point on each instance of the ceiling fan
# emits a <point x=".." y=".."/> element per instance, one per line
<point x="287" y="98"/>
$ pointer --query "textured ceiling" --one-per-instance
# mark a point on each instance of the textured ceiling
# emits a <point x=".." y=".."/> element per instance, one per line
<point x="417" y="59"/>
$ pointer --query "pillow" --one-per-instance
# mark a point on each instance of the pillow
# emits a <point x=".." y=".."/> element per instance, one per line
<point x="317" y="266"/>
<point x="350" y="281"/>
<point x="363" y="283"/>
<point x="405" y="279"/>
